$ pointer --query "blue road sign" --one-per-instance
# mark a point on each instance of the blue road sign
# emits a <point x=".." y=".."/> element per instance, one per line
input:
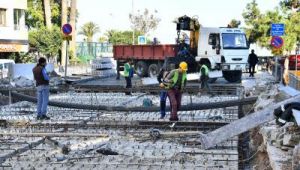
<point x="67" y="29"/>
<point x="277" y="30"/>
<point x="277" y="42"/>
<point x="142" y="39"/>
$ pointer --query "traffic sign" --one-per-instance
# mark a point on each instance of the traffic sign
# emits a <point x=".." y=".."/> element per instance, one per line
<point x="67" y="29"/>
<point x="277" y="30"/>
<point x="277" y="42"/>
<point x="142" y="39"/>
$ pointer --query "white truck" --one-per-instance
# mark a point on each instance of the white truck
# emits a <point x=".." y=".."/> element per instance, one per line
<point x="223" y="49"/>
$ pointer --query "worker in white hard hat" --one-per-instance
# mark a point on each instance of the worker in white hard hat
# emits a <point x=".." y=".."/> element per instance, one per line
<point x="177" y="79"/>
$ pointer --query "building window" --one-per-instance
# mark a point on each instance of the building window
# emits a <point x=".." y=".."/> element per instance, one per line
<point x="18" y="18"/>
<point x="2" y="17"/>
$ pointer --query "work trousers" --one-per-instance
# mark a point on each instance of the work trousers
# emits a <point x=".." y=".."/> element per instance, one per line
<point x="163" y="98"/>
<point x="204" y="83"/>
<point x="42" y="99"/>
<point x="251" y="70"/>
<point x="128" y="84"/>
<point x="175" y="102"/>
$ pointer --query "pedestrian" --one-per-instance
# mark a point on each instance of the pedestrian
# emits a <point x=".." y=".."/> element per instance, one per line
<point x="252" y="61"/>
<point x="128" y="74"/>
<point x="42" y="83"/>
<point x="163" y="73"/>
<point x="177" y="80"/>
<point x="204" y="71"/>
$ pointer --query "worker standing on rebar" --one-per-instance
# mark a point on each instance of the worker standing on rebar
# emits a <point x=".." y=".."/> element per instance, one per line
<point x="128" y="74"/>
<point x="163" y="73"/>
<point x="177" y="79"/>
<point x="204" y="71"/>
<point x="42" y="84"/>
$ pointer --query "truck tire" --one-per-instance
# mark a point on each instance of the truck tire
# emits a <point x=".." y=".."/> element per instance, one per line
<point x="153" y="70"/>
<point x="233" y="76"/>
<point x="141" y="68"/>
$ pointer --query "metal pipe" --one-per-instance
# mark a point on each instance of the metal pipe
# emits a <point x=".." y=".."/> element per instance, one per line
<point x="199" y="106"/>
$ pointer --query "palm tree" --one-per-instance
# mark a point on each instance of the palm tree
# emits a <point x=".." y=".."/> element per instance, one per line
<point x="47" y="13"/>
<point x="73" y="14"/>
<point x="89" y="29"/>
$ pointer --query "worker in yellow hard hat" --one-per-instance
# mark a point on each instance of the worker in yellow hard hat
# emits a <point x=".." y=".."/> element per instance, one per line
<point x="177" y="80"/>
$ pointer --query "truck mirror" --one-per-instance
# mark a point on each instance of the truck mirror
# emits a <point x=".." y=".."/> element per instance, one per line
<point x="213" y="47"/>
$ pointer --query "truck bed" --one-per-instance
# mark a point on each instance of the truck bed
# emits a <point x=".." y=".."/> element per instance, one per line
<point x="144" y="52"/>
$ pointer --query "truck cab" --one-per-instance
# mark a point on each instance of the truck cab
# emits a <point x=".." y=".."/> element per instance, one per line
<point x="223" y="49"/>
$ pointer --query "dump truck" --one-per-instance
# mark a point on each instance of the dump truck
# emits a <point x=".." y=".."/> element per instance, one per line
<point x="222" y="49"/>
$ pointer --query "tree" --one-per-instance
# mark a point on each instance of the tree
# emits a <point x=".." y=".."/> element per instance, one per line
<point x="252" y="17"/>
<point x="121" y="37"/>
<point x="144" y="22"/>
<point x="89" y="29"/>
<point x="73" y="14"/>
<point x="46" y="41"/>
<point x="47" y="13"/>
<point x="234" y="23"/>
<point x="293" y="5"/>
<point x="35" y="15"/>
<point x="259" y="25"/>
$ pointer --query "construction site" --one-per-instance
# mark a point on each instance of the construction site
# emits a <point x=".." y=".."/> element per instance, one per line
<point x="94" y="125"/>
<point x="140" y="85"/>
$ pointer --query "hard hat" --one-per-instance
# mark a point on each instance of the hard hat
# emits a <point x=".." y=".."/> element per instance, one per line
<point x="183" y="66"/>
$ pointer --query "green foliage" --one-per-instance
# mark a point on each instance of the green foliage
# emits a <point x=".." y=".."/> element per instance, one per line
<point x="234" y="23"/>
<point x="144" y="22"/>
<point x="46" y="41"/>
<point x="34" y="17"/>
<point x="121" y="37"/>
<point x="22" y="57"/>
<point x="259" y="25"/>
<point x="89" y="29"/>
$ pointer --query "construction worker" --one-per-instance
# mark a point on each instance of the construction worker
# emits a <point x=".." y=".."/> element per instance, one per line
<point x="128" y="74"/>
<point x="284" y="113"/>
<point x="42" y="85"/>
<point x="177" y="80"/>
<point x="252" y="61"/>
<point x="204" y="70"/>
<point x="163" y="73"/>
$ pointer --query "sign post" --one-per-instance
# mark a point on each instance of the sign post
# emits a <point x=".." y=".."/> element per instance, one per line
<point x="67" y="30"/>
<point x="277" y="30"/>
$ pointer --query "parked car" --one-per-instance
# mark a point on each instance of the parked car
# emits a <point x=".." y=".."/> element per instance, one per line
<point x="293" y="63"/>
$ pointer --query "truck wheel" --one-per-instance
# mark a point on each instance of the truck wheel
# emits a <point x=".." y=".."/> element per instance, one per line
<point x="233" y="76"/>
<point x="153" y="70"/>
<point x="141" y="68"/>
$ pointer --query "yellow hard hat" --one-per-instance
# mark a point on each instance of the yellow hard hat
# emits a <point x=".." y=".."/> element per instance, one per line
<point x="183" y="66"/>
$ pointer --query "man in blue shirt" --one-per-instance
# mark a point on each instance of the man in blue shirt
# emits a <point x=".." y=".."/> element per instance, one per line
<point x="42" y="84"/>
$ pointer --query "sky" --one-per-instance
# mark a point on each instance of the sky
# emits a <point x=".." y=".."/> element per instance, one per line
<point x="114" y="14"/>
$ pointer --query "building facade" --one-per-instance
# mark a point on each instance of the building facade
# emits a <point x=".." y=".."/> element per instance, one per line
<point x="13" y="32"/>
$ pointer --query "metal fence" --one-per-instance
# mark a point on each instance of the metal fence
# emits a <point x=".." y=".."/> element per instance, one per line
<point x="93" y="49"/>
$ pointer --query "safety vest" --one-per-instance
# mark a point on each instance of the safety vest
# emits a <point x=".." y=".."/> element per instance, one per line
<point x="126" y="69"/>
<point x="206" y="70"/>
<point x="175" y="79"/>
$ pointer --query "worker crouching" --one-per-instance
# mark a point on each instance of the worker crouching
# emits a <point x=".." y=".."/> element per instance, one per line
<point x="177" y="80"/>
